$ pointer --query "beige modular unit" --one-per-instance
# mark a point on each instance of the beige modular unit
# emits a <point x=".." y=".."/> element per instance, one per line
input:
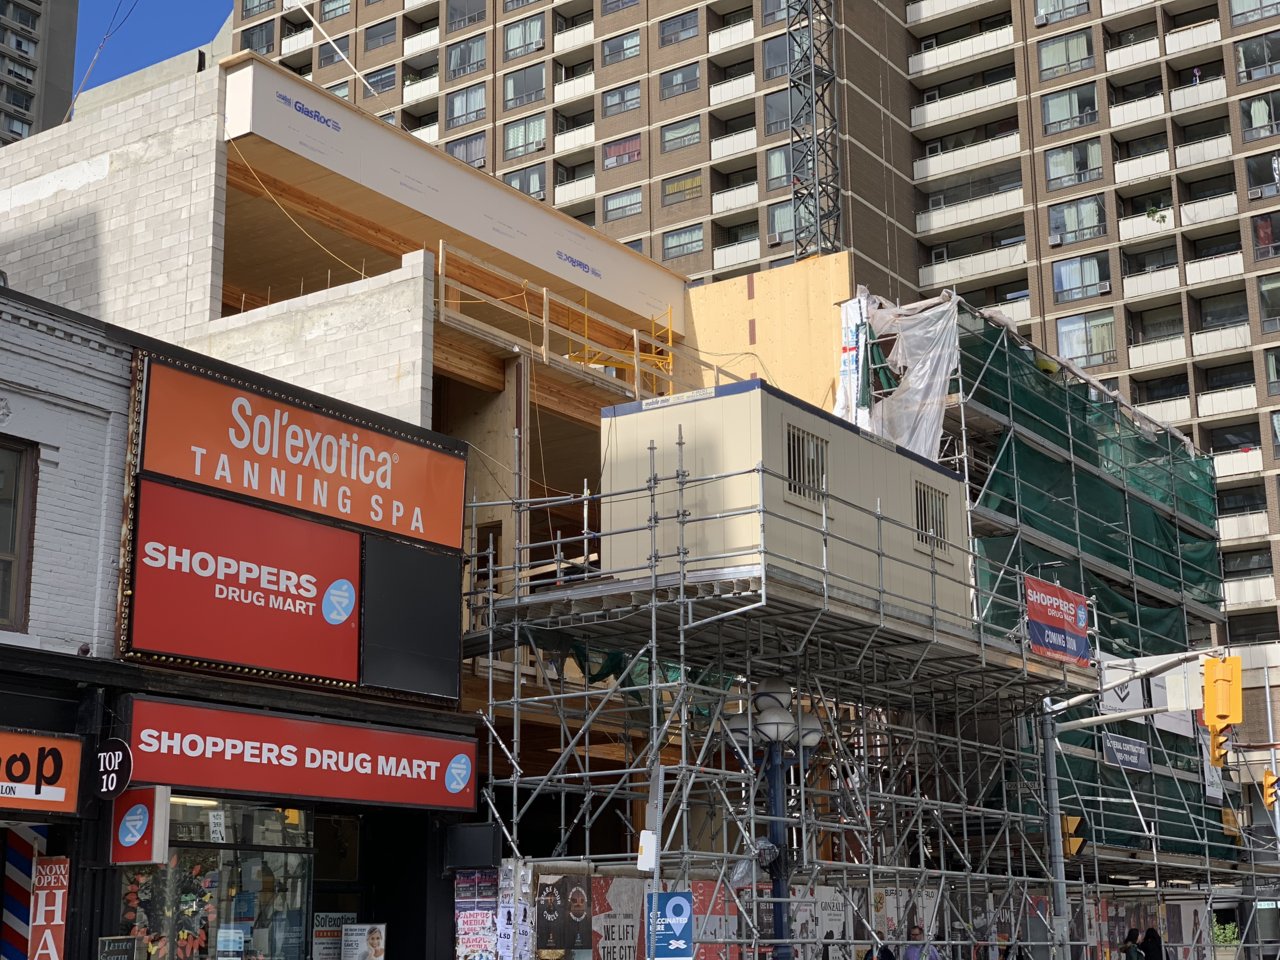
<point x="892" y="525"/>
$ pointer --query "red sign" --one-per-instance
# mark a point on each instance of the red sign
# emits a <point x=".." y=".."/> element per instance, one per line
<point x="278" y="755"/>
<point x="50" y="883"/>
<point x="1057" y="622"/>
<point x="232" y="438"/>
<point x="140" y="826"/>
<point x="223" y="581"/>
<point x="39" y="771"/>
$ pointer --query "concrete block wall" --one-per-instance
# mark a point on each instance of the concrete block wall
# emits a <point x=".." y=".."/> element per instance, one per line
<point x="367" y="342"/>
<point x="66" y="390"/>
<point x="119" y="213"/>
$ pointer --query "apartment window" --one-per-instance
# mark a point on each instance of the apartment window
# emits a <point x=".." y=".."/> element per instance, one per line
<point x="1157" y="324"/>
<point x="331" y="53"/>
<point x="1069" y="53"/>
<point x="1052" y="11"/>
<point x="1088" y="338"/>
<point x="14" y="126"/>
<point x="637" y="245"/>
<point x="682" y="242"/>
<point x="1069" y="108"/>
<point x="468" y="149"/>
<point x="1258" y="57"/>
<point x="463" y="13"/>
<point x="524" y="136"/>
<point x="1224" y="310"/>
<point x="379" y="35"/>
<point x="806" y="463"/>
<point x="778" y="165"/>
<point x="613" y="6"/>
<point x="931" y="517"/>
<point x="1075" y="220"/>
<point x="682" y="133"/>
<point x="24" y="45"/>
<point x="17" y="98"/>
<point x="779" y="108"/>
<point x="1242" y="500"/>
<point x="1247" y="11"/>
<point x="1272" y="360"/>
<point x="1149" y="261"/>
<point x="464" y="106"/>
<point x="1263" y="171"/>
<point x="776" y="62"/>
<point x="1275" y="432"/>
<point x="523" y="37"/>
<point x="261" y="39"/>
<point x="781" y="222"/>
<point x="380" y="81"/>
<point x="619" y="48"/>
<point x="529" y="180"/>
<point x="20" y="71"/>
<point x="466" y="56"/>
<point x="626" y="203"/>
<point x="341" y="90"/>
<point x="1266" y="236"/>
<point x="1081" y="277"/>
<point x="1237" y="437"/>
<point x="526" y="85"/>
<point x="250" y="8"/>
<point x="1229" y="377"/>
<point x="621" y="152"/>
<point x="1259" y="113"/>
<point x="1269" y="302"/>
<point x="687" y="186"/>
<point x="17" y="507"/>
<point x="771" y="11"/>
<point x="677" y="29"/>
<point x="1244" y="564"/>
<point x="680" y="80"/>
<point x="334" y="8"/>
<point x="620" y="99"/>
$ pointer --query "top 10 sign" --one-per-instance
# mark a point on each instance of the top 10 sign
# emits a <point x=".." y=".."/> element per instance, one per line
<point x="230" y="438"/>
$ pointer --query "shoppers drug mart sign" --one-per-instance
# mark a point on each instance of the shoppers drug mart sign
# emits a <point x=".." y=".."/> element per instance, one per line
<point x="1057" y="622"/>
<point x="278" y="754"/>
<point x="225" y="582"/>
<point x="239" y="440"/>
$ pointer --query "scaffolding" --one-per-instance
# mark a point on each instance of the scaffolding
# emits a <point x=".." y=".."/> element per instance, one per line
<point x="627" y="694"/>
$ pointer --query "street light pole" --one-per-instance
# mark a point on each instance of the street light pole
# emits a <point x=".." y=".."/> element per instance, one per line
<point x="780" y="868"/>
<point x="1053" y="831"/>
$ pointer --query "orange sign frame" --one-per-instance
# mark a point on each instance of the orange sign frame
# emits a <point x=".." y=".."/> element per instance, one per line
<point x="39" y="772"/>
<point x="237" y="439"/>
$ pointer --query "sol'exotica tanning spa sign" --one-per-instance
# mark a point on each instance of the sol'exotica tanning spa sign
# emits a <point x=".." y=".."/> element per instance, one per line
<point x="240" y="441"/>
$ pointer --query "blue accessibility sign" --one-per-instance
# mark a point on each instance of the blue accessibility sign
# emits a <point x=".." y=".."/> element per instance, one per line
<point x="670" y="925"/>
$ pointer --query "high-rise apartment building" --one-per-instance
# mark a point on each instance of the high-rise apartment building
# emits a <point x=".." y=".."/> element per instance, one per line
<point x="37" y="62"/>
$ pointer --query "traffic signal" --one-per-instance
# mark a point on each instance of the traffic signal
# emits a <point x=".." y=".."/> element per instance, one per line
<point x="1218" y="746"/>
<point x="1269" y="780"/>
<point x="1223" y="697"/>
<point x="1071" y="843"/>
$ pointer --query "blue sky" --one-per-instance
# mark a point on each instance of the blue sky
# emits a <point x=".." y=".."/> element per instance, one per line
<point x="154" y="31"/>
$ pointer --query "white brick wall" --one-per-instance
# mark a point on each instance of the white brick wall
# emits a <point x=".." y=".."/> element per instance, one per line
<point x="67" y="391"/>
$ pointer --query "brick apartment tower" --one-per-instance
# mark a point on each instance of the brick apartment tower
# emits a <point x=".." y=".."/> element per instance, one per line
<point x="37" y="63"/>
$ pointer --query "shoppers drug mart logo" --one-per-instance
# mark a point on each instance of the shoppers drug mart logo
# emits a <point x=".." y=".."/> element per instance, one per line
<point x="133" y="825"/>
<point x="458" y="774"/>
<point x="339" y="601"/>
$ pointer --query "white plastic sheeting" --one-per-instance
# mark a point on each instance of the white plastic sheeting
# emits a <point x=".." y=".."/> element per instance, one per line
<point x="853" y="396"/>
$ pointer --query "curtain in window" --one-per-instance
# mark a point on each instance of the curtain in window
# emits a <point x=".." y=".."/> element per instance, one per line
<point x="621" y="151"/>
<point x="680" y="242"/>
<point x="683" y="188"/>
<point x="782" y="220"/>
<point x="519" y="136"/>
<point x="1074" y="274"/>
<point x="682" y="133"/>
<point x="524" y="34"/>
<point x="464" y="103"/>
<point x="463" y="55"/>
<point x="776" y="165"/>
<point x="621" y="204"/>
<point x="523" y="86"/>
<point x="1057" y="55"/>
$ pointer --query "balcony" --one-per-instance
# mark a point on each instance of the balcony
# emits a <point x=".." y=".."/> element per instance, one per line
<point x="1224" y="266"/>
<point x="961" y="51"/>
<point x="1144" y="51"/>
<point x="733" y="254"/>
<point x="1151" y="282"/>
<point x="1137" y="168"/>
<point x="976" y="153"/>
<point x="578" y="36"/>
<point x="994" y="95"/>
<point x="1173" y="410"/>
<point x="1242" y="526"/>
<point x="732" y="144"/>
<point x="1195" y="94"/>
<point x="1237" y="463"/>
<point x="735" y="198"/>
<point x="295" y="42"/>
<point x="415" y="90"/>
<point x="1210" y="208"/>
<point x="1234" y="337"/>
<point x="1019" y="311"/>
<point x="727" y="37"/>
<point x="1112" y="7"/>
<point x="988" y="261"/>
<point x="1249" y="590"/>
<point x="414" y="4"/>
<point x="1136" y="111"/>
<point x="968" y="211"/>
<point x="1147" y="224"/>
<point x="429" y="133"/>
<point x="927" y="9"/>
<point x="576" y="139"/>
<point x="582" y="86"/>
<point x="422" y="41"/>
<point x="1203" y="151"/>
<point x="573" y="190"/>
<point x="1158" y="352"/>
<point x="1188" y="38"/>
<point x="726" y="90"/>
<point x="1230" y="400"/>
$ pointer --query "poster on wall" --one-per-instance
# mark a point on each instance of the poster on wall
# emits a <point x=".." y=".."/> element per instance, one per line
<point x="577" y="916"/>
<point x="364" y="941"/>
<point x="475" y="914"/>
<point x="617" y="927"/>
<point x="515" y="911"/>
<point x="550" y="925"/>
<point x="326" y="934"/>
<point x="50" y="886"/>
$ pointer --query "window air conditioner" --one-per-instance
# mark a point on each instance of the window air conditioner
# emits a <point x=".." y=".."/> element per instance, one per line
<point x="539" y="145"/>
<point x="929" y="44"/>
<point x="537" y="44"/>
<point x="1041" y="19"/>
<point x="775" y="239"/>
<point x="478" y="163"/>
<point x="1104" y="286"/>
<point x="938" y="254"/>
<point x="933" y="148"/>
<point x="1055" y="239"/>
<point x="539" y="194"/>
<point x="930" y="96"/>
<point x="937" y="201"/>
<point x="1255" y="193"/>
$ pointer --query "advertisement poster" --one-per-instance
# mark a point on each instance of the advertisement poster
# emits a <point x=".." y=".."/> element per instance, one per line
<point x="364" y="941"/>
<point x="475" y="914"/>
<point x="42" y="772"/>
<point x="670" y="917"/>
<point x="1057" y="622"/>
<point x="895" y="911"/>
<point x="326" y="934"/>
<point x="715" y="918"/>
<point x="617" y="926"/>
<point x="550" y="913"/>
<point x="1125" y="752"/>
<point x="50" y="883"/>
<point x="577" y="919"/>
<point x="515" y="911"/>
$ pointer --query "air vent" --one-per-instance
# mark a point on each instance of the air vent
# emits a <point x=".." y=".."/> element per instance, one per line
<point x="539" y="194"/>
<point x="1104" y="286"/>
<point x="1041" y="19"/>
<point x="1255" y="193"/>
<point x="1055" y="239"/>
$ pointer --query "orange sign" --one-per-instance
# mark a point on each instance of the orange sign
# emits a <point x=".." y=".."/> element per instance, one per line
<point x="39" y="772"/>
<point x="231" y="438"/>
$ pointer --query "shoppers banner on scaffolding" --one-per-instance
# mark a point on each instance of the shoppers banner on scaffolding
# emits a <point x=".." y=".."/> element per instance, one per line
<point x="853" y="383"/>
<point x="617" y="918"/>
<point x="1057" y="622"/>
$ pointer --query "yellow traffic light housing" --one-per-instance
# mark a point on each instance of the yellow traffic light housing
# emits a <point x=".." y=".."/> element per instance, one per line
<point x="1218" y="746"/>
<point x="1071" y="843"/>
<point x="1269" y="781"/>
<point x="1223" y="692"/>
